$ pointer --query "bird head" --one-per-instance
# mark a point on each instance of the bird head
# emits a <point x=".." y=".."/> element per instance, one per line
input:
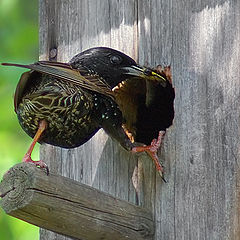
<point x="113" y="66"/>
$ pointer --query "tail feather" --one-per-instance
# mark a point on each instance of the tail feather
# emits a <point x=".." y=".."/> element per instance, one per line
<point x="65" y="72"/>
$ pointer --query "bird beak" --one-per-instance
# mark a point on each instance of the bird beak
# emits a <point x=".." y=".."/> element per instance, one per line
<point x="145" y="73"/>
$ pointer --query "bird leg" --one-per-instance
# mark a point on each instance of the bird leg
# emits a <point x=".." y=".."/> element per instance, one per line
<point x="152" y="151"/>
<point x="27" y="156"/>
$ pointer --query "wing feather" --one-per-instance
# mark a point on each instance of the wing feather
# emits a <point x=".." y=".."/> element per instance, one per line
<point x="65" y="72"/>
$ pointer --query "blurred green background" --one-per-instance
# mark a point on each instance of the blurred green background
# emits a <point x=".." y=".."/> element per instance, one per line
<point x="19" y="44"/>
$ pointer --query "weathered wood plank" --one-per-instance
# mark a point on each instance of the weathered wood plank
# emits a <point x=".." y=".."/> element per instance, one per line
<point x="77" y="30"/>
<point x="70" y="27"/>
<point x="75" y="26"/>
<point x="71" y="208"/>
<point x="200" y="39"/>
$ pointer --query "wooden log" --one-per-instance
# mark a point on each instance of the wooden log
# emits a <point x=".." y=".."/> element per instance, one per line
<point x="68" y="207"/>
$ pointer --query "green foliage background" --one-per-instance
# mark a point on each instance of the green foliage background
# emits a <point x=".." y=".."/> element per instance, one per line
<point x="18" y="43"/>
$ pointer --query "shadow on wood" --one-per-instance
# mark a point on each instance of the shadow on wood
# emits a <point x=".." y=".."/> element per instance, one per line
<point x="71" y="208"/>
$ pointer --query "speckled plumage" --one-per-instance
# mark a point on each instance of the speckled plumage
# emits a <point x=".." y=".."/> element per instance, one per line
<point x="68" y="110"/>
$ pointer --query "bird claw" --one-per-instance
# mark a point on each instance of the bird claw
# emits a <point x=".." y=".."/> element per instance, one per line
<point x="152" y="151"/>
<point x="39" y="163"/>
<point x="156" y="143"/>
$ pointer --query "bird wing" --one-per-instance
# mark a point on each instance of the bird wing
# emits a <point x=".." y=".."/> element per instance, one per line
<point x="65" y="72"/>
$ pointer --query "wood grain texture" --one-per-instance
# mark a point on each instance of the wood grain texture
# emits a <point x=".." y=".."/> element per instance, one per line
<point x="70" y="27"/>
<point x="200" y="39"/>
<point x="71" y="208"/>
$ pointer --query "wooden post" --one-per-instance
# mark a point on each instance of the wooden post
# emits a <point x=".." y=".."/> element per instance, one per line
<point x="67" y="28"/>
<point x="71" y="208"/>
<point x="200" y="39"/>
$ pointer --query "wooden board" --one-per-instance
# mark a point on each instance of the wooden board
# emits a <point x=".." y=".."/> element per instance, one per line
<point x="67" y="28"/>
<point x="200" y="39"/>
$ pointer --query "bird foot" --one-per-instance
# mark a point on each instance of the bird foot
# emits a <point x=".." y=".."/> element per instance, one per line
<point x="27" y="158"/>
<point x="152" y="151"/>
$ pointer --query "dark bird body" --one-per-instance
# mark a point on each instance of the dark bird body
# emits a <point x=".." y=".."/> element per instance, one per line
<point x="155" y="116"/>
<point x="98" y="88"/>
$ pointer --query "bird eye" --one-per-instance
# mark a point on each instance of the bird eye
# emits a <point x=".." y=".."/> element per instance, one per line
<point x="115" y="59"/>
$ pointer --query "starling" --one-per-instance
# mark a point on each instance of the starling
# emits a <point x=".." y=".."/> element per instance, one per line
<point x="65" y="104"/>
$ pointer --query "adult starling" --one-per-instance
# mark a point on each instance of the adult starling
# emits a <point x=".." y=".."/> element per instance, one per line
<point x="65" y="104"/>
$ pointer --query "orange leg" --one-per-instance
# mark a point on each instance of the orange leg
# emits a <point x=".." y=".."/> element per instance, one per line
<point x="27" y="156"/>
<point x="152" y="151"/>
